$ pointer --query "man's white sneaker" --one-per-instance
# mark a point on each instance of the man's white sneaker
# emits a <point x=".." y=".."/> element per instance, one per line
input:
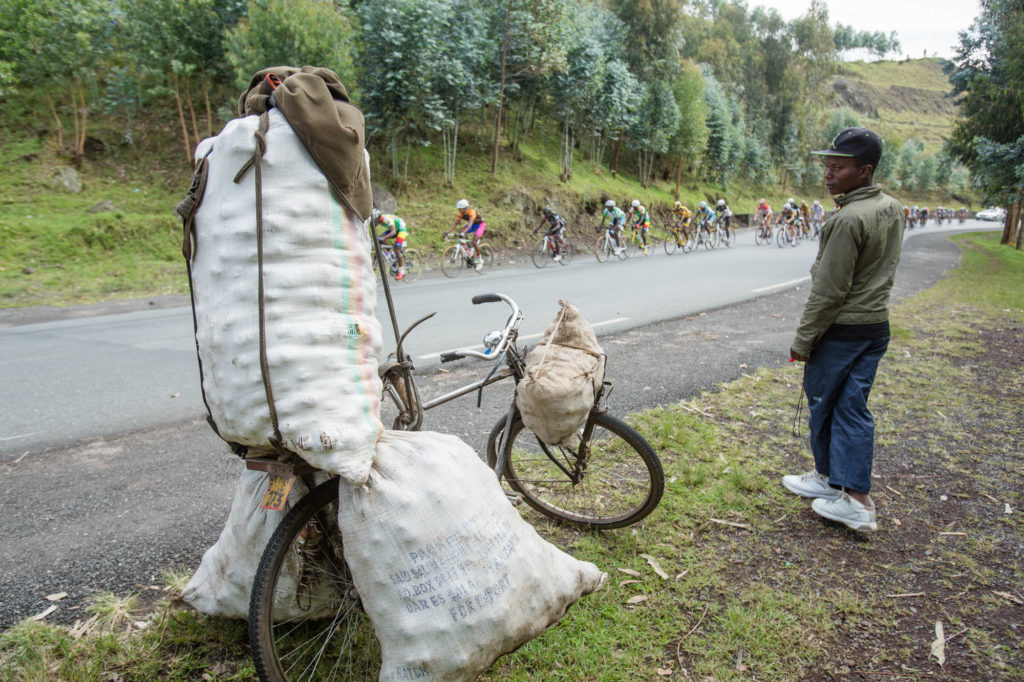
<point x="558" y="257"/>
<point x="811" y="484"/>
<point x="619" y="250"/>
<point x="848" y="512"/>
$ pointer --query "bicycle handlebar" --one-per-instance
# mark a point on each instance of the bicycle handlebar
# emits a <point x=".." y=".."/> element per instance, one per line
<point x="507" y="335"/>
<point x="451" y="355"/>
<point x="487" y="298"/>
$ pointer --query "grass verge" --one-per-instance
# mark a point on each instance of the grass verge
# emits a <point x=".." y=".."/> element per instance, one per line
<point x="757" y="586"/>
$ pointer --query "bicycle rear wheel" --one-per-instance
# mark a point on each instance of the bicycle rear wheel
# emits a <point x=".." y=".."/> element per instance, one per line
<point x="567" y="253"/>
<point x="487" y="257"/>
<point x="452" y="262"/>
<point x="620" y="482"/>
<point x="333" y="638"/>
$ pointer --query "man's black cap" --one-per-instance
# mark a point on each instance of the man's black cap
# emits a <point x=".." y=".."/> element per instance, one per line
<point x="859" y="143"/>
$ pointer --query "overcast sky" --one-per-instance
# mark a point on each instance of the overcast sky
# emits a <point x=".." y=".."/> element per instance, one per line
<point x="932" y="25"/>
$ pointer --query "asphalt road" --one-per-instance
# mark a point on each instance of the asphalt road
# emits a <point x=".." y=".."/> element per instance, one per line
<point x="112" y="512"/>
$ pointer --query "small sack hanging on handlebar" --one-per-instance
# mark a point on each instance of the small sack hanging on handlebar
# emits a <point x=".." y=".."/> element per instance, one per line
<point x="563" y="376"/>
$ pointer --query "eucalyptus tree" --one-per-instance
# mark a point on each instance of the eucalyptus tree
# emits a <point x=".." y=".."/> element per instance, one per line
<point x="987" y="73"/>
<point x="180" y="41"/>
<point x="690" y="135"/>
<point x="658" y="118"/>
<point x="618" y="107"/>
<point x="54" y="48"/>
<point x="725" y="144"/>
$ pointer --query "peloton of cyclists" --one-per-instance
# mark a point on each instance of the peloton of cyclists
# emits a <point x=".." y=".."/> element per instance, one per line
<point x="397" y="230"/>
<point x="641" y="220"/>
<point x="474" y="225"/>
<point x="618" y="218"/>
<point x="555" y="230"/>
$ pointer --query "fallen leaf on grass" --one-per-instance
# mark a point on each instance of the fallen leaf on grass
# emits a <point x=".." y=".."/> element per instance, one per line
<point x="939" y="645"/>
<point x="1007" y="509"/>
<point x="637" y="599"/>
<point x="664" y="672"/>
<point x="655" y="566"/>
<point x="44" y="614"/>
<point x="731" y="523"/>
<point x="56" y="596"/>
<point x="630" y="582"/>
<point x="1010" y="597"/>
<point x="630" y="571"/>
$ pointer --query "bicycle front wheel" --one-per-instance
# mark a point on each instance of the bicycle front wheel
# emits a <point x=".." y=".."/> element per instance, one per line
<point x="781" y="238"/>
<point x="618" y="482"/>
<point x="602" y="249"/>
<point x="452" y="262"/>
<point x="671" y="243"/>
<point x="540" y="255"/>
<point x="330" y="637"/>
<point x="413" y="265"/>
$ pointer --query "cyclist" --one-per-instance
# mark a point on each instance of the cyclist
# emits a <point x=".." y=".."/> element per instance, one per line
<point x="817" y="216"/>
<point x="805" y="217"/>
<point x="924" y="215"/>
<point x="556" y="230"/>
<point x="474" y="225"/>
<point x="962" y="214"/>
<point x="618" y="218"/>
<point x="397" y="230"/>
<point x="764" y="213"/>
<point x="641" y="220"/>
<point x="682" y="216"/>
<point x="704" y="214"/>
<point x="724" y="216"/>
<point x="788" y="217"/>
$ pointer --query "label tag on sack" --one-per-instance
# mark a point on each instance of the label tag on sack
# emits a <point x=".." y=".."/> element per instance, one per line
<point x="278" y="488"/>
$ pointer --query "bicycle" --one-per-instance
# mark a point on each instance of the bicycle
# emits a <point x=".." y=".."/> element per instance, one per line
<point x="545" y="252"/>
<point x="787" y="234"/>
<point x="635" y="243"/>
<point x="611" y="478"/>
<point x="763" y="232"/>
<point x="605" y="246"/>
<point x="726" y="235"/>
<point x="678" y="237"/>
<point x="413" y="264"/>
<point x="707" y="235"/>
<point x="456" y="259"/>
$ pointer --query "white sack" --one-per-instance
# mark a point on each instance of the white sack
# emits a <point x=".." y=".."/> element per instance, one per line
<point x="222" y="584"/>
<point x="563" y="375"/>
<point x="323" y="339"/>
<point x="448" y="572"/>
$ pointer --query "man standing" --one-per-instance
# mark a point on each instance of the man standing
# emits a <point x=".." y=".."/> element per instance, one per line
<point x="844" y="330"/>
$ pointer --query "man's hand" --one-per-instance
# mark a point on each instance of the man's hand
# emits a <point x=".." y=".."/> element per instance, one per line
<point x="793" y="355"/>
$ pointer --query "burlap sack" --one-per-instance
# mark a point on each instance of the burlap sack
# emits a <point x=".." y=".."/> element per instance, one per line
<point x="563" y="376"/>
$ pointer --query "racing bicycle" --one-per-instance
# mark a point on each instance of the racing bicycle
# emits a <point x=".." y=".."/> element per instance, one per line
<point x="413" y="264"/>
<point x="460" y="257"/>
<point x="545" y="253"/>
<point x="605" y="246"/>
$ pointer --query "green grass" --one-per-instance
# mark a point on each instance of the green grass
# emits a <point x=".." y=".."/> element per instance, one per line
<point x="756" y="596"/>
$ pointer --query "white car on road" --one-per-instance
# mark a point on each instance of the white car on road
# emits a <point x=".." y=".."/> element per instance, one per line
<point x="991" y="213"/>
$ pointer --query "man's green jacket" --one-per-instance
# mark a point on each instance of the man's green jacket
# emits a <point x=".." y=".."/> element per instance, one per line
<point x="852" y="276"/>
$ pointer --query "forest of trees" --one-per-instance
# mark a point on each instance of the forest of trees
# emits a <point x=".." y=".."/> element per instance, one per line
<point x="703" y="89"/>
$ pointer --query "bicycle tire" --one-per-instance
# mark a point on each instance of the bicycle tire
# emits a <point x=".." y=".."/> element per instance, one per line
<point x="780" y="237"/>
<point x="540" y="256"/>
<point x="337" y="646"/>
<point x="611" y="470"/>
<point x="671" y="243"/>
<point x="602" y="249"/>
<point x="727" y="238"/>
<point x="759" y="236"/>
<point x="452" y="262"/>
<point x="712" y="239"/>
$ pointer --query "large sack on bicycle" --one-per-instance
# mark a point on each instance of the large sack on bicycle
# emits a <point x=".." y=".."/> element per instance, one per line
<point x="563" y="375"/>
<point x="450" y="574"/>
<point x="223" y="582"/>
<point x="288" y="341"/>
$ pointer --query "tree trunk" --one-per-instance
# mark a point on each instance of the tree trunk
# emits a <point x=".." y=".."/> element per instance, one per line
<point x="191" y="112"/>
<point x="679" y="175"/>
<point x="615" y="158"/>
<point x="181" y="119"/>
<point x="209" y="111"/>
<point x="501" y="89"/>
<point x="60" y="128"/>
<point x="74" y="117"/>
<point x="80" y="147"/>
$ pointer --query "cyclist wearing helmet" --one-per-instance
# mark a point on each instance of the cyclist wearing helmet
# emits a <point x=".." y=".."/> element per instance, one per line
<point x="682" y="215"/>
<point x="817" y="216"/>
<point x="764" y="212"/>
<point x="724" y="216"/>
<point x="556" y="230"/>
<point x="703" y="214"/>
<point x="396" y="229"/>
<point x="641" y="220"/>
<point x="474" y="226"/>
<point x="618" y="218"/>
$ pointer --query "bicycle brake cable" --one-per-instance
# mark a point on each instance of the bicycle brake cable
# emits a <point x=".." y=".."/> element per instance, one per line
<point x="494" y="368"/>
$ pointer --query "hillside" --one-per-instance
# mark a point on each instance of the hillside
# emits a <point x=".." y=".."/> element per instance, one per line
<point x="900" y="100"/>
<point x="118" y="237"/>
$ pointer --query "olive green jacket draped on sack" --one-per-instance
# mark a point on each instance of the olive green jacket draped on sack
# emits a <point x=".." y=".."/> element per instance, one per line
<point x="316" y="105"/>
<point x="852" y="276"/>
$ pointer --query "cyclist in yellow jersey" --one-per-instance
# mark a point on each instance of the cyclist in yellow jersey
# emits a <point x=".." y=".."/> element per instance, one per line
<point x="397" y="230"/>
<point x="682" y="215"/>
